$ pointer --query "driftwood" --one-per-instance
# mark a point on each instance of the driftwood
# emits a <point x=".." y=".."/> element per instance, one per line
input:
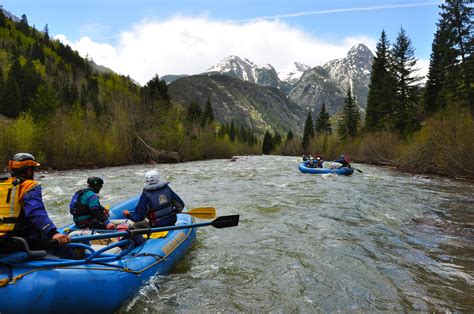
<point x="160" y="155"/>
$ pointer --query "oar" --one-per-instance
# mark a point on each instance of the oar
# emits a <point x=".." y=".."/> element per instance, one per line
<point x="220" y="222"/>
<point x="202" y="212"/>
<point x="357" y="169"/>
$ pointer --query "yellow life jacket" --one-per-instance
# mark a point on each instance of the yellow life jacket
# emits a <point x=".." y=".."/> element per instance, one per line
<point x="11" y="202"/>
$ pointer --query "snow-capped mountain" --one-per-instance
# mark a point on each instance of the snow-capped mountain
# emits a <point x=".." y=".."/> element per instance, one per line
<point x="292" y="72"/>
<point x="328" y="83"/>
<point x="246" y="70"/>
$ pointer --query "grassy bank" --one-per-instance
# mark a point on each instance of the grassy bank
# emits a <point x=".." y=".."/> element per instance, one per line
<point x="443" y="146"/>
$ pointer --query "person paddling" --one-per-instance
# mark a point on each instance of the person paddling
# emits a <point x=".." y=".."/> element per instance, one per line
<point x="343" y="161"/>
<point x="86" y="209"/>
<point x="158" y="202"/>
<point x="22" y="211"/>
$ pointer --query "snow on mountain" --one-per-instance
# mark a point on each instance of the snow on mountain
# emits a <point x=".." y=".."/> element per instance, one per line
<point x="292" y="72"/>
<point x="246" y="70"/>
<point x="328" y="83"/>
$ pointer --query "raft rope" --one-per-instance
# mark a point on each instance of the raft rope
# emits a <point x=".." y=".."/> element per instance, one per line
<point x="158" y="257"/>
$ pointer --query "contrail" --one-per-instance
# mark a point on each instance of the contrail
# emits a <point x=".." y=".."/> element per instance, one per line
<point x="371" y="8"/>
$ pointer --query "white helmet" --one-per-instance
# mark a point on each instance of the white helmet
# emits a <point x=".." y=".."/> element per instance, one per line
<point x="151" y="178"/>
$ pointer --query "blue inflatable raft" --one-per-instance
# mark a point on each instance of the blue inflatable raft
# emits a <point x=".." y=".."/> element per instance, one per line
<point x="346" y="171"/>
<point x="100" y="283"/>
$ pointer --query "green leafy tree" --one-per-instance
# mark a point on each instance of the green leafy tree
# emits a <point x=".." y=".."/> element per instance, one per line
<point x="267" y="145"/>
<point x="289" y="136"/>
<point x="323" y="125"/>
<point x="308" y="132"/>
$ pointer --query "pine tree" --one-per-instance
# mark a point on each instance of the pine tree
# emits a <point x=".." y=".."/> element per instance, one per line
<point x="232" y="132"/>
<point x="458" y="16"/>
<point x="194" y="113"/>
<point x="407" y="88"/>
<point x="23" y="25"/>
<point x="442" y="58"/>
<point x="208" y="115"/>
<point x="44" y="103"/>
<point x="10" y="104"/>
<point x="222" y="131"/>
<point x="381" y="94"/>
<point x="308" y="132"/>
<point x="267" y="145"/>
<point x="46" y="32"/>
<point x="350" y="117"/>
<point x="3" y="19"/>
<point x="276" y="139"/>
<point x="155" y="92"/>
<point x="289" y="136"/>
<point x="323" y="125"/>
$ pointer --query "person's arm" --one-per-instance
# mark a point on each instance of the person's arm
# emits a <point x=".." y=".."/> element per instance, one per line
<point x="36" y="213"/>
<point x="140" y="210"/>
<point x="177" y="201"/>
<point x="97" y="211"/>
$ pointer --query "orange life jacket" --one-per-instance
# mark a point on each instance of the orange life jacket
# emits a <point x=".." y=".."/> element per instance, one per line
<point x="12" y="191"/>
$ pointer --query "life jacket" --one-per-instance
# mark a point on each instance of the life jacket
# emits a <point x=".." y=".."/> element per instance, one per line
<point x="12" y="191"/>
<point x="76" y="208"/>
<point x="159" y="205"/>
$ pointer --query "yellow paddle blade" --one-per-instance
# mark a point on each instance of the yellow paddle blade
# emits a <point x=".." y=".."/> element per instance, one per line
<point x="202" y="212"/>
<point x="157" y="235"/>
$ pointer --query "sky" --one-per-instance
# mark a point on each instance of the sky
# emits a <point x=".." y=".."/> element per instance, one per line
<point x="144" y="38"/>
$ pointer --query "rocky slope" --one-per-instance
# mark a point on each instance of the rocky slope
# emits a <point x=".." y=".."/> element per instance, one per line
<point x="253" y="106"/>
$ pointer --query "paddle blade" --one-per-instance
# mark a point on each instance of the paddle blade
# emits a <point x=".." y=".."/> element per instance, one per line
<point x="202" y="212"/>
<point x="226" y="221"/>
<point x="157" y="235"/>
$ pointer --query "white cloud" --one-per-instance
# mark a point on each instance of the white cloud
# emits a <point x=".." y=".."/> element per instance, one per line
<point x="423" y="66"/>
<point x="191" y="45"/>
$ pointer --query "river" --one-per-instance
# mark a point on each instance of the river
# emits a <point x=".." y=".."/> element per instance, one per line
<point x="305" y="243"/>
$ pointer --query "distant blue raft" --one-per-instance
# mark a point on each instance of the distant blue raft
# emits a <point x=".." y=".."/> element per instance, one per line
<point x="100" y="283"/>
<point x="346" y="171"/>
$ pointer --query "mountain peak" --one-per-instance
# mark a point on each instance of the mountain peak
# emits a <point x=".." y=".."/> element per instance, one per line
<point x="292" y="72"/>
<point x="359" y="49"/>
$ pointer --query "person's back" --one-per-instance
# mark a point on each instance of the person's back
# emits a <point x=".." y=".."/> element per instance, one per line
<point x="343" y="161"/>
<point x="86" y="209"/>
<point x="22" y="212"/>
<point x="158" y="202"/>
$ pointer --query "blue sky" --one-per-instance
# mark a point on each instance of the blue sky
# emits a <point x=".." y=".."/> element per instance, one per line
<point x="146" y="37"/>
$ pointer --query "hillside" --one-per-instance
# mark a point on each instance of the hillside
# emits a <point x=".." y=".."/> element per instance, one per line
<point x="251" y="105"/>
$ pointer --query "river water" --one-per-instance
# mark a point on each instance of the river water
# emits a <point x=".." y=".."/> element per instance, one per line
<point x="305" y="243"/>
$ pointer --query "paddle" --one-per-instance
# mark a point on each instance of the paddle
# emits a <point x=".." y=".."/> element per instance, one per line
<point x="220" y="222"/>
<point x="357" y="169"/>
<point x="202" y="212"/>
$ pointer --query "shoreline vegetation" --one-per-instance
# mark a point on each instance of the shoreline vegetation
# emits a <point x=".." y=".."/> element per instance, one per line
<point x="73" y="114"/>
